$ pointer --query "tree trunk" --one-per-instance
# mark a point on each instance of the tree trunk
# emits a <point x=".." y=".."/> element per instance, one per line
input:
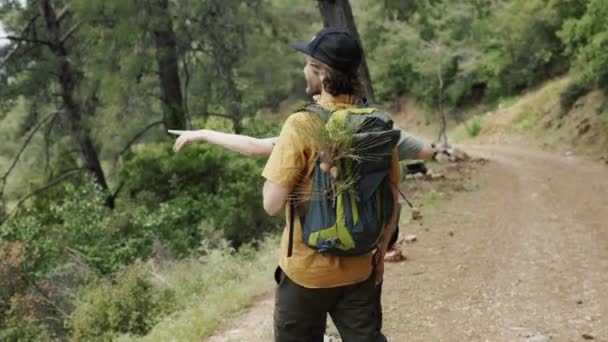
<point x="174" y="114"/>
<point x="68" y="78"/>
<point x="232" y="102"/>
<point x="339" y="14"/>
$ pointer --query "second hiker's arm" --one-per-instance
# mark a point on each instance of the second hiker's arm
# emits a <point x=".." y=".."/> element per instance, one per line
<point x="410" y="147"/>
<point x="426" y="152"/>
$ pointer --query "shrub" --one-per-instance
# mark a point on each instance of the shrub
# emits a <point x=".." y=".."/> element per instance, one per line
<point x="77" y="222"/>
<point x="22" y="308"/>
<point x="474" y="128"/>
<point x="15" y="330"/>
<point x="202" y="183"/>
<point x="131" y="305"/>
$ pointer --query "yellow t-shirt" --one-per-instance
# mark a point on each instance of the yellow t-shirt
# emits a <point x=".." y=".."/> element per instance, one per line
<point x="291" y="165"/>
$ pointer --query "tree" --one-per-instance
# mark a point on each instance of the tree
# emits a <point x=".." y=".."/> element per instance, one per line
<point x="339" y="14"/>
<point x="168" y="67"/>
<point x="586" y="41"/>
<point x="44" y="54"/>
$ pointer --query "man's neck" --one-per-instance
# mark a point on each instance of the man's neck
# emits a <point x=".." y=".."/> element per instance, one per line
<point x="342" y="98"/>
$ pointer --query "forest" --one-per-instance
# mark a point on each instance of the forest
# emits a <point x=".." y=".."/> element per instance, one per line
<point x="90" y="189"/>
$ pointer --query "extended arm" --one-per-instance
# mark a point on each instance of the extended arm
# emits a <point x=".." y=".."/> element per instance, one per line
<point x="244" y="144"/>
<point x="410" y="147"/>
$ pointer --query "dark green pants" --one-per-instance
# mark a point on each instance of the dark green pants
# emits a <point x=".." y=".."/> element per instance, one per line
<point x="300" y="314"/>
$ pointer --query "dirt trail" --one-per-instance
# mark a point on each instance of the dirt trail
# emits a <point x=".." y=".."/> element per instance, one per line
<point x="523" y="257"/>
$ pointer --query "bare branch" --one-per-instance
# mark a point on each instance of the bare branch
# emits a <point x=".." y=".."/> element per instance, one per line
<point x="62" y="13"/>
<point x="69" y="33"/>
<point x="26" y="28"/>
<point x="8" y="57"/>
<point x="136" y="137"/>
<point x="27" y="40"/>
<point x="126" y="148"/>
<point x="118" y="189"/>
<point x="23" y="147"/>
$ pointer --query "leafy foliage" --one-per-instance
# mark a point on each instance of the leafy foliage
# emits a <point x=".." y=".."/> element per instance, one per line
<point x="586" y="40"/>
<point x="134" y="307"/>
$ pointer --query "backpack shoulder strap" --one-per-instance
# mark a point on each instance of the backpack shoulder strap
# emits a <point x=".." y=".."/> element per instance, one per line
<point x="323" y="113"/>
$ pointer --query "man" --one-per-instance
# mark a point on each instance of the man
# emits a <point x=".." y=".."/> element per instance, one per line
<point x="311" y="285"/>
<point x="335" y="276"/>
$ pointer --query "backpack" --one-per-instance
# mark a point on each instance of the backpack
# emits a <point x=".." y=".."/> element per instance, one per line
<point x="350" y="222"/>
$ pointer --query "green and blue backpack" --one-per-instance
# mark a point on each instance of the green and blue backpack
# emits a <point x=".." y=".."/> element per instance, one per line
<point x="351" y="199"/>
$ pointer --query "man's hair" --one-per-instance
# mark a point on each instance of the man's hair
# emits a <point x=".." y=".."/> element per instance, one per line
<point x="339" y="82"/>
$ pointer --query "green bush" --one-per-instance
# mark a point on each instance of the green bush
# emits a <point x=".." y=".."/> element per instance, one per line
<point x="202" y="183"/>
<point x="480" y="49"/>
<point x="586" y="41"/>
<point x="474" y="128"/>
<point x="131" y="305"/>
<point x="218" y="284"/>
<point x="78" y="223"/>
<point x="16" y="330"/>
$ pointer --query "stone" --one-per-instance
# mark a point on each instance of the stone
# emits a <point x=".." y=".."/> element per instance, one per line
<point x="416" y="214"/>
<point x="394" y="255"/>
<point x="451" y="233"/>
<point x="442" y="158"/>
<point x="588" y="337"/>
<point x="438" y="175"/>
<point x="461" y="155"/>
<point x="410" y="239"/>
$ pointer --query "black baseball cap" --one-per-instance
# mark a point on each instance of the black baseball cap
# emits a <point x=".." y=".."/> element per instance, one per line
<point x="334" y="47"/>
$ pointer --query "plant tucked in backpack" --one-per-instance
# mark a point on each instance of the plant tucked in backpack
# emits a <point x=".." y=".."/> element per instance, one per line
<point x="351" y="199"/>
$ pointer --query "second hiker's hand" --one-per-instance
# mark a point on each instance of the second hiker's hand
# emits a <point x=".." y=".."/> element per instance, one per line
<point x="186" y="137"/>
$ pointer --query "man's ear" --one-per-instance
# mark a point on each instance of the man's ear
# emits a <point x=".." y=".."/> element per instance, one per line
<point x="322" y="74"/>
